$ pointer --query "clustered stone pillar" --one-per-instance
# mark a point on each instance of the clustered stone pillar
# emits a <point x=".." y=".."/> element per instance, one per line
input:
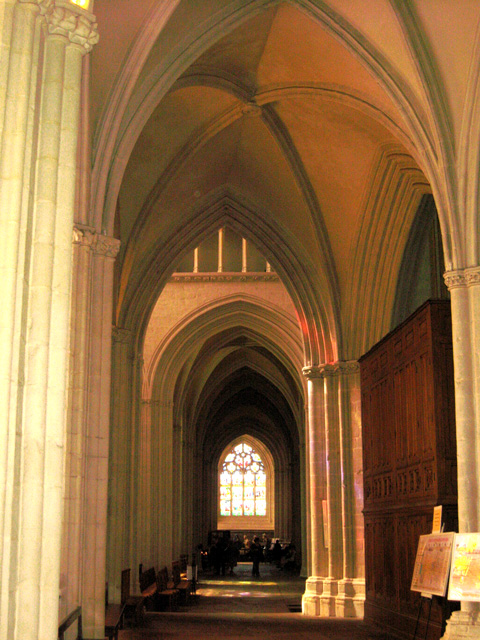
<point x="336" y="585"/>
<point x="464" y="286"/>
<point x="38" y="172"/>
<point x="120" y="469"/>
<point x="351" y="588"/>
<point x="77" y="404"/>
<point x="97" y="437"/>
<point x="316" y="490"/>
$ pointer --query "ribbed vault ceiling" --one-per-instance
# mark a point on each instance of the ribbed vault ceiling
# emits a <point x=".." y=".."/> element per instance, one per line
<point x="311" y="126"/>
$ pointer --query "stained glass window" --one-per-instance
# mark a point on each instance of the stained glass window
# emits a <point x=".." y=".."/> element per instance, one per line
<point x="243" y="487"/>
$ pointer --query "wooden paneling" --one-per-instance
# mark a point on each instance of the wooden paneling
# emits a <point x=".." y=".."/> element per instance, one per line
<point x="409" y="456"/>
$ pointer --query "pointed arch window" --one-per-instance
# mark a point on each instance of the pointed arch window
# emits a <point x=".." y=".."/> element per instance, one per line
<point x="243" y="483"/>
<point x="246" y="480"/>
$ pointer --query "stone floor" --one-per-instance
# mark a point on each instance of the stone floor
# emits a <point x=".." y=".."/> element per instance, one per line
<point x="242" y="607"/>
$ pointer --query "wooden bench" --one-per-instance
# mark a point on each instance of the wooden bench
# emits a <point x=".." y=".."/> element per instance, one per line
<point x="167" y="595"/>
<point x="148" y="587"/>
<point x="113" y="620"/>
<point x="134" y="605"/>
<point x="183" y="585"/>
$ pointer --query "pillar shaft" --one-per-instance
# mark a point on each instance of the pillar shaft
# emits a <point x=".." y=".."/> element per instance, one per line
<point x="40" y="146"/>
<point x="120" y="465"/>
<point x="97" y="438"/>
<point x="12" y="162"/>
<point x="70" y="574"/>
<point x="316" y="490"/>
<point x="465" y="298"/>
<point x="335" y="586"/>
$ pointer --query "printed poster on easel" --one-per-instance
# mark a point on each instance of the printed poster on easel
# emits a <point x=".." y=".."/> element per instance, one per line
<point x="465" y="572"/>
<point x="432" y="564"/>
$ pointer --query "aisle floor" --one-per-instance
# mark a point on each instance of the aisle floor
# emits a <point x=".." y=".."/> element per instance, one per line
<point x="241" y="607"/>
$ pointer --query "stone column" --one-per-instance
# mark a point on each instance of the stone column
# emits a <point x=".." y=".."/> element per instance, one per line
<point x="70" y="576"/>
<point x="162" y="476"/>
<point x="316" y="489"/>
<point x="282" y="495"/>
<point x="43" y="319"/>
<point x="351" y="588"/>
<point x="464" y="289"/>
<point x="336" y="586"/>
<point x="331" y="375"/>
<point x="189" y="475"/>
<point x="97" y="444"/>
<point x="120" y="463"/>
<point x="143" y="508"/>
<point x="305" y="519"/>
<point x="16" y="152"/>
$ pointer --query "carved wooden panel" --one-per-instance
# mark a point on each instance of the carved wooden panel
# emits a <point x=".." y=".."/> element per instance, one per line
<point x="409" y="453"/>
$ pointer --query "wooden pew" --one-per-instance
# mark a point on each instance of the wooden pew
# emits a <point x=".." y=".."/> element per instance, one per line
<point x="167" y="595"/>
<point x="148" y="587"/>
<point x="183" y="585"/>
<point x="134" y="605"/>
<point x="113" y="620"/>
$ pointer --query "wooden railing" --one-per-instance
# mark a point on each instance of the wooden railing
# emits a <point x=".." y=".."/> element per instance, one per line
<point x="68" y="621"/>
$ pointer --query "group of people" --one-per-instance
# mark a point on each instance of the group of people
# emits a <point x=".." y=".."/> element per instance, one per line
<point x="224" y="554"/>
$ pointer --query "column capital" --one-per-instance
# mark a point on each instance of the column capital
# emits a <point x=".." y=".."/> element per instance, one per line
<point x="460" y="278"/>
<point x="107" y="246"/>
<point x="472" y="276"/>
<point x="454" y="279"/>
<point x="83" y="235"/>
<point x="73" y="23"/>
<point x="331" y="369"/>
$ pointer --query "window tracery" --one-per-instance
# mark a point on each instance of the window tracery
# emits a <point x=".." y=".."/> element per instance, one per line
<point x="243" y="483"/>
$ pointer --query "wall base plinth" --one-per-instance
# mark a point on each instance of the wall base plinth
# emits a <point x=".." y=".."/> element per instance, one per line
<point x="350" y="601"/>
<point x="311" y="597"/>
<point x="463" y="625"/>
<point x="328" y="598"/>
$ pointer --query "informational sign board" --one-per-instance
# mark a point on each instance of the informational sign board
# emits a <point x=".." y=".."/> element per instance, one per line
<point x="437" y="519"/>
<point x="432" y="564"/>
<point x="465" y="572"/>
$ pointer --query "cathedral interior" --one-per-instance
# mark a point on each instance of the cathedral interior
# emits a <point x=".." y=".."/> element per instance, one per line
<point x="241" y="289"/>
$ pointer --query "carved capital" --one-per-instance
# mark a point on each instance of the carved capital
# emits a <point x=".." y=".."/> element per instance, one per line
<point x="71" y="22"/>
<point x="107" y="246"/>
<point x="84" y="236"/>
<point x="331" y="369"/>
<point x="472" y="276"/>
<point x="454" y="279"/>
<point x="312" y="372"/>
<point x="348" y="367"/>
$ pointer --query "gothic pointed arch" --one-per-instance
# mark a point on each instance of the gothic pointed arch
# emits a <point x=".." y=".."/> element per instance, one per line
<point x="310" y="291"/>
<point x="246" y="481"/>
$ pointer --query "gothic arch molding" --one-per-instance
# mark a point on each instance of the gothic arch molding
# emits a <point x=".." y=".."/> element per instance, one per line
<point x="398" y="186"/>
<point x="270" y="325"/>
<point x="309" y="290"/>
